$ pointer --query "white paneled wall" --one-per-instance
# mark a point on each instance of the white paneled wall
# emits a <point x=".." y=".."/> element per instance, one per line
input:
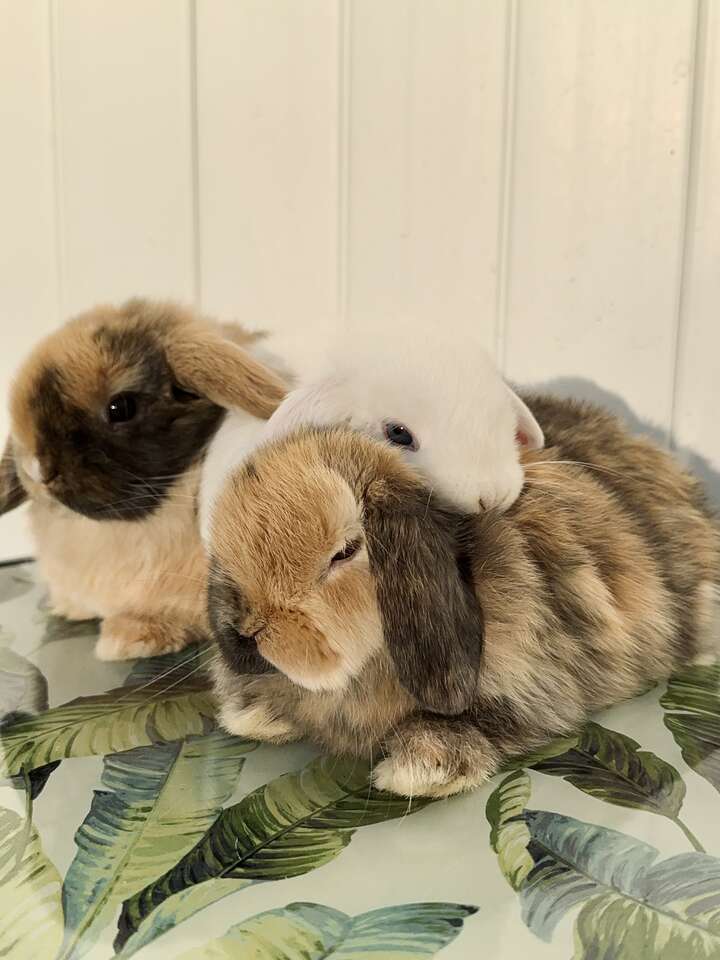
<point x="547" y="171"/>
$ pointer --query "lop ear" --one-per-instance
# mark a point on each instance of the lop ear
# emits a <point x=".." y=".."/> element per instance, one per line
<point x="206" y="363"/>
<point x="318" y="404"/>
<point x="12" y="492"/>
<point x="432" y="619"/>
<point x="529" y="433"/>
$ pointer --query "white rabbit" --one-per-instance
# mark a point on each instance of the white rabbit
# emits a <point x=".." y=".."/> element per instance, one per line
<point x="437" y="396"/>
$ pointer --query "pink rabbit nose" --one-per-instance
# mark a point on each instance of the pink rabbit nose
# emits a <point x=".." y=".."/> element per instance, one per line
<point x="249" y="637"/>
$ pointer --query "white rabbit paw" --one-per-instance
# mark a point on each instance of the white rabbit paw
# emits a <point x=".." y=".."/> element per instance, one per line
<point x="256" y="722"/>
<point x="428" y="761"/>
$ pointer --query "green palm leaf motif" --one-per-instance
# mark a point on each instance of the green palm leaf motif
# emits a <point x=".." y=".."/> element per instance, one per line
<point x="23" y="693"/>
<point x="292" y="825"/>
<point x="172" y="668"/>
<point x="23" y="688"/>
<point x="31" y="919"/>
<point x="108" y="723"/>
<point x="509" y="835"/>
<point x="310" y="931"/>
<point x="692" y="705"/>
<point x="159" y="802"/>
<point x="610" y="766"/>
<point x="177" y="908"/>
<point x="631" y="905"/>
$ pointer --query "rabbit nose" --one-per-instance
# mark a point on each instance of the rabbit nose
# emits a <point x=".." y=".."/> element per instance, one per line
<point x="249" y="637"/>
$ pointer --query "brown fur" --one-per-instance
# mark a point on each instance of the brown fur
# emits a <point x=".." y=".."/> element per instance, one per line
<point x="600" y="580"/>
<point x="114" y="505"/>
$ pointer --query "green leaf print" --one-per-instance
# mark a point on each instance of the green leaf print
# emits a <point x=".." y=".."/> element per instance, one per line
<point x="509" y="835"/>
<point x="310" y="931"/>
<point x="23" y="693"/>
<point x="632" y="906"/>
<point x="108" y="723"/>
<point x="31" y="918"/>
<point x="292" y="825"/>
<point x="23" y="688"/>
<point x="610" y="766"/>
<point x="177" y="908"/>
<point x="159" y="802"/>
<point x="692" y="705"/>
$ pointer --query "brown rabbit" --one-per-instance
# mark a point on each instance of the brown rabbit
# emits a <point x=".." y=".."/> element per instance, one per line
<point x="350" y="606"/>
<point x="110" y="417"/>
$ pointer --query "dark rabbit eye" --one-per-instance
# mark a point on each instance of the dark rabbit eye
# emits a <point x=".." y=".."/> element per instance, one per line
<point x="122" y="407"/>
<point x="349" y="550"/>
<point x="398" y="434"/>
<point x="183" y="396"/>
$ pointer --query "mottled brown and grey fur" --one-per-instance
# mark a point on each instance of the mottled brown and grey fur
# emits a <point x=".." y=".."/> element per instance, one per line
<point x="113" y="504"/>
<point x="445" y="644"/>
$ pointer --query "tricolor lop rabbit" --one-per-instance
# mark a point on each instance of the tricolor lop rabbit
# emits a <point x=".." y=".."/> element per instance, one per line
<point x="352" y="606"/>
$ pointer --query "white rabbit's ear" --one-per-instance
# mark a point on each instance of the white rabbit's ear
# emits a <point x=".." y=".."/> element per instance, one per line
<point x="529" y="434"/>
<point x="316" y="404"/>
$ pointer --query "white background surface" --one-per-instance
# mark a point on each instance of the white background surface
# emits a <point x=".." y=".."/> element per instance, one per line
<point x="547" y="171"/>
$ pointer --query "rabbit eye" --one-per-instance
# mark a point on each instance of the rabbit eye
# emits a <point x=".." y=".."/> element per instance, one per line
<point x="348" y="551"/>
<point x="399" y="435"/>
<point x="122" y="407"/>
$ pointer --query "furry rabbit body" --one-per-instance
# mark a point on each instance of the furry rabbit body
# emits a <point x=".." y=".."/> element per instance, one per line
<point x="110" y="418"/>
<point x="351" y="606"/>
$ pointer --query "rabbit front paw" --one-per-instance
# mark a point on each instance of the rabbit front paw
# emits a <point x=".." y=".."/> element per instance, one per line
<point x="128" y="638"/>
<point x="69" y="609"/>
<point x="256" y="721"/>
<point x="431" y="759"/>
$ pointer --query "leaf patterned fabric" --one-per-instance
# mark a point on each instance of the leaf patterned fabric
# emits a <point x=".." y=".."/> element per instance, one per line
<point x="131" y="826"/>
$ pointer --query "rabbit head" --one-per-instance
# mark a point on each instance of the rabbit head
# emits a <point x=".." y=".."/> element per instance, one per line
<point x="441" y="402"/>
<point x="108" y="411"/>
<point x="327" y="551"/>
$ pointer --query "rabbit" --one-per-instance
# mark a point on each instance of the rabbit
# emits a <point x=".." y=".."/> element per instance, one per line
<point x="351" y="605"/>
<point x="110" y="418"/>
<point x="440" y="400"/>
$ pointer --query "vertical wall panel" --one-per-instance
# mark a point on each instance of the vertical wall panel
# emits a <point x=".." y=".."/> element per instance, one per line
<point x="425" y="160"/>
<point x="123" y="88"/>
<point x="602" y="112"/>
<point x="698" y="380"/>
<point x="28" y="280"/>
<point x="268" y="161"/>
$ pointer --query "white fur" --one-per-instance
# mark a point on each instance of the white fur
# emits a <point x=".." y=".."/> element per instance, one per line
<point x="446" y="390"/>
<point x="31" y="465"/>
<point x="254" y="723"/>
<point x="238" y="435"/>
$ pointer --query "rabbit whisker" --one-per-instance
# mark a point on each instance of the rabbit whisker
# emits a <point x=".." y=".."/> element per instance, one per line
<point x="182" y="679"/>
<point x="166" y="673"/>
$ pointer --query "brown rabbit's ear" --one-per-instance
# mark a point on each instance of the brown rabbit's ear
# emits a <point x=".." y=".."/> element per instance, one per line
<point x="206" y="363"/>
<point x="12" y="493"/>
<point x="432" y="620"/>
